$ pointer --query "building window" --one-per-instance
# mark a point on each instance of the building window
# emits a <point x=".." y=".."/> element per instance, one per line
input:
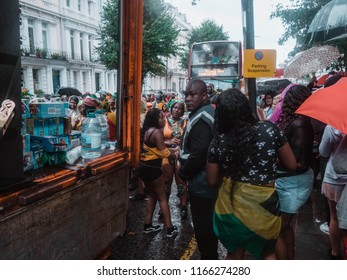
<point x="36" y="79"/>
<point x="31" y="36"/>
<point x="79" y="5"/>
<point x="90" y="47"/>
<point x="84" y="81"/>
<point x="44" y="36"/>
<point x="174" y="86"/>
<point x="89" y="8"/>
<point x="56" y="80"/>
<point x="97" y="81"/>
<point x="67" y="3"/>
<point x="81" y="45"/>
<point x="74" y="79"/>
<point x="72" y="45"/>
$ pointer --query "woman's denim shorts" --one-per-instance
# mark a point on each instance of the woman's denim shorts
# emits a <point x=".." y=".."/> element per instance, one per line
<point x="294" y="191"/>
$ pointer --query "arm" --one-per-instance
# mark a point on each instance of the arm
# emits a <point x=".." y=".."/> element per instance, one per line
<point x="213" y="174"/>
<point x="286" y="157"/>
<point x="261" y="114"/>
<point x="160" y="143"/>
<point x="325" y="146"/>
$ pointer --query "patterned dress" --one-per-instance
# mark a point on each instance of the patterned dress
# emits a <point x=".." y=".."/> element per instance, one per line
<point x="247" y="209"/>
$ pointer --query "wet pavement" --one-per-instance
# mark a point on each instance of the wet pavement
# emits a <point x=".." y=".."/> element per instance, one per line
<point x="310" y="242"/>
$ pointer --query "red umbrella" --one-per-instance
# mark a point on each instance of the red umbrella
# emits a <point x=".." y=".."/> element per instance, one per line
<point x="328" y="105"/>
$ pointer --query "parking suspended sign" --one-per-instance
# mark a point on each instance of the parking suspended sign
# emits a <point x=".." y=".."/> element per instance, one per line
<point x="259" y="63"/>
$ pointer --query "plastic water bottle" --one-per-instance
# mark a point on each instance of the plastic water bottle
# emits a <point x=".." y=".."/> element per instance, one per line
<point x="91" y="137"/>
<point x="104" y="128"/>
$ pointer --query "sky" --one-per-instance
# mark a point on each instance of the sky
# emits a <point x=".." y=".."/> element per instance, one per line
<point x="229" y="14"/>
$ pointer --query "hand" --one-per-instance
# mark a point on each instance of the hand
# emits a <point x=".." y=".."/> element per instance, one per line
<point x="175" y="141"/>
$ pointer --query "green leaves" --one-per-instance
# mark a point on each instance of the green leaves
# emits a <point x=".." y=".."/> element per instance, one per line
<point x="297" y="18"/>
<point x="159" y="37"/>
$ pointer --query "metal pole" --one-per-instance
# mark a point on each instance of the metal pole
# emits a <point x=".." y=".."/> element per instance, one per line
<point x="248" y="33"/>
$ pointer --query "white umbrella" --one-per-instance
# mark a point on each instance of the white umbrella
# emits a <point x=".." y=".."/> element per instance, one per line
<point x="311" y="60"/>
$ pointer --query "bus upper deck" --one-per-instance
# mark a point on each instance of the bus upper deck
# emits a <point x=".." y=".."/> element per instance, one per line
<point x="218" y="62"/>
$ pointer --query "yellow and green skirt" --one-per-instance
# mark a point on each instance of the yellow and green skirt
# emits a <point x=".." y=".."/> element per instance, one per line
<point x="249" y="220"/>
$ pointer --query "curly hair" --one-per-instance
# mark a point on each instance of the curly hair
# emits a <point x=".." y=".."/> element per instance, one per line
<point x="234" y="118"/>
<point x="151" y="120"/>
<point x="295" y="96"/>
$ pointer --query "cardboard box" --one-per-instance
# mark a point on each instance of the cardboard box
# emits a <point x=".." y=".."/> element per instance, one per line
<point x="50" y="143"/>
<point x="47" y="109"/>
<point x="73" y="140"/>
<point x="56" y="126"/>
<point x="45" y="127"/>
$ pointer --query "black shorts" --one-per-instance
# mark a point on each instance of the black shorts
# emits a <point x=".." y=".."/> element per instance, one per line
<point x="150" y="170"/>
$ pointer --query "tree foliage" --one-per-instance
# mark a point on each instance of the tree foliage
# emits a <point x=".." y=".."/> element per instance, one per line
<point x="208" y="30"/>
<point x="296" y="19"/>
<point x="159" y="37"/>
<point x="108" y="35"/>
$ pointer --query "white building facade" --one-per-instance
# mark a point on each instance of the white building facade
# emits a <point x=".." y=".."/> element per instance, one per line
<point x="58" y="40"/>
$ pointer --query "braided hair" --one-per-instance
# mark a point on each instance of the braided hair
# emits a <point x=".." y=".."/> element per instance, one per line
<point x="294" y="97"/>
<point x="234" y="118"/>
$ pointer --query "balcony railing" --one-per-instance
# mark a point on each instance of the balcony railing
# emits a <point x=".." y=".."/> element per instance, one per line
<point x="57" y="55"/>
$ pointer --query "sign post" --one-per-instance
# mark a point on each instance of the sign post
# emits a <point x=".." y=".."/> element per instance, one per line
<point x="259" y="63"/>
<point x="248" y="37"/>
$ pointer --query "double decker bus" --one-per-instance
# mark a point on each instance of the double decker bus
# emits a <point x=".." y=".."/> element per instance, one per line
<point x="217" y="62"/>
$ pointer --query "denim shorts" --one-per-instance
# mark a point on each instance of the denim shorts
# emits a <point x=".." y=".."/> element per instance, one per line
<point x="294" y="191"/>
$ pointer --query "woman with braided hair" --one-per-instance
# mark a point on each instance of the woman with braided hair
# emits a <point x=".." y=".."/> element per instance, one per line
<point x="242" y="161"/>
<point x="294" y="187"/>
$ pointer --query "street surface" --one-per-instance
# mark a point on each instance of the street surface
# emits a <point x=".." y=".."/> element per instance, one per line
<point x="311" y="243"/>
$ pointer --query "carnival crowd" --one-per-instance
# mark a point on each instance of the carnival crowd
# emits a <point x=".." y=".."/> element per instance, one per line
<point x="244" y="175"/>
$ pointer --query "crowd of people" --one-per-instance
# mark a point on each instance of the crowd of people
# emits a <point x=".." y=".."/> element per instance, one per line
<point x="79" y="106"/>
<point x="244" y="175"/>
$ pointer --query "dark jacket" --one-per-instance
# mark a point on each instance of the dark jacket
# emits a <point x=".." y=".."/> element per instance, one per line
<point x="196" y="138"/>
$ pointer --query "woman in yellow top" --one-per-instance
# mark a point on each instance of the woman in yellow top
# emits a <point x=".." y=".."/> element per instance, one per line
<point x="172" y="133"/>
<point x="153" y="150"/>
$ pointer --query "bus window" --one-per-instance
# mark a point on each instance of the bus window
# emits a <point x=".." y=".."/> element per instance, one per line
<point x="216" y="60"/>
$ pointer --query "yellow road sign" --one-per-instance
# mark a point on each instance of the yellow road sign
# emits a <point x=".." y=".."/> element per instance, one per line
<point x="259" y="63"/>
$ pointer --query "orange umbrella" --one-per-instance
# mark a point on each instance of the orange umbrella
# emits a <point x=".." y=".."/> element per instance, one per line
<point x="328" y="105"/>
